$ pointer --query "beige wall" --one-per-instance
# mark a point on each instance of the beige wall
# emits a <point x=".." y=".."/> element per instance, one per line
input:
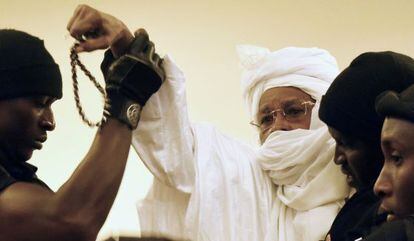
<point x="201" y="36"/>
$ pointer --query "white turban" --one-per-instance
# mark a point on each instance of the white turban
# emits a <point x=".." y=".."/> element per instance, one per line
<point x="309" y="69"/>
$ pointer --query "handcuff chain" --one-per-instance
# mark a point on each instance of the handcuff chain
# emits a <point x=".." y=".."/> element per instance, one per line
<point x="74" y="61"/>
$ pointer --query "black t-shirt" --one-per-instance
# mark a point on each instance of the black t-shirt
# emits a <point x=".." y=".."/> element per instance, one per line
<point x="399" y="230"/>
<point x="358" y="217"/>
<point x="5" y="178"/>
<point x="21" y="172"/>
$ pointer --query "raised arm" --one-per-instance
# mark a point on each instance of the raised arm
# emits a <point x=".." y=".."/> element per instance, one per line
<point x="79" y="208"/>
<point x="164" y="139"/>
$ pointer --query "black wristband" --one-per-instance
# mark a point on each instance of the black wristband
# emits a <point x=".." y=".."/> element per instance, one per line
<point x="123" y="109"/>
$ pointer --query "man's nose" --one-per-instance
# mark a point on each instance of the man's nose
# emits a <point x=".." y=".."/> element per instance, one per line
<point x="339" y="157"/>
<point x="280" y="123"/>
<point x="383" y="185"/>
<point x="47" y="121"/>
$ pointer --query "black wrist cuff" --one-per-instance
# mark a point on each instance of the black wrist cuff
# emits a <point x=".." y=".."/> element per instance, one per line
<point x="123" y="109"/>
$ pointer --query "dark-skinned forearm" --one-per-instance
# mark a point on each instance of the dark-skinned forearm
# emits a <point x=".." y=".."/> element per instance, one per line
<point x="91" y="190"/>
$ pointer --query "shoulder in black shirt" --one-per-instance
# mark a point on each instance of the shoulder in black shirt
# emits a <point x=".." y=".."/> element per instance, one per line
<point x="358" y="217"/>
<point x="22" y="172"/>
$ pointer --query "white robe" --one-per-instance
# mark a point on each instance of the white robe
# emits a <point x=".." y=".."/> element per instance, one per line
<point x="208" y="186"/>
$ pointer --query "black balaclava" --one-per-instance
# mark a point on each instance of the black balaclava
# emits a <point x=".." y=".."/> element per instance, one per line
<point x="26" y="67"/>
<point x="349" y="103"/>
<point x="397" y="105"/>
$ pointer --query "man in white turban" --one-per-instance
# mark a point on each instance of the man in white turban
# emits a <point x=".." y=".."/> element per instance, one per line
<point x="209" y="186"/>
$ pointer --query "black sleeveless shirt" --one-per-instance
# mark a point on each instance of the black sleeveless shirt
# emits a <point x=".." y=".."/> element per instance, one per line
<point x="20" y="172"/>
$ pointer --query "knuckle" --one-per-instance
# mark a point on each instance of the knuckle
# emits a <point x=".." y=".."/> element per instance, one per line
<point x="84" y="6"/>
<point x="87" y="47"/>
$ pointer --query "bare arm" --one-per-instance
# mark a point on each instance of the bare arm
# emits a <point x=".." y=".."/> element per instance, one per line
<point x="79" y="208"/>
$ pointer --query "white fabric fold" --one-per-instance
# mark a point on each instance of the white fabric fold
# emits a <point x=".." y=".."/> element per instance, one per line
<point x="296" y="157"/>
<point x="299" y="162"/>
<point x="163" y="211"/>
<point x="232" y="197"/>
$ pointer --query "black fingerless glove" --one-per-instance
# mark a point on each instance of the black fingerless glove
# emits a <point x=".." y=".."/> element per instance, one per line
<point x="132" y="79"/>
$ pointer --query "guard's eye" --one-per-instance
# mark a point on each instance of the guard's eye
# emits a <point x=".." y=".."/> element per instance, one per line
<point x="396" y="158"/>
<point x="40" y="101"/>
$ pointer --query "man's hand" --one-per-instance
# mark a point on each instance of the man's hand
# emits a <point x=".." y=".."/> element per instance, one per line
<point x="132" y="79"/>
<point x="97" y="30"/>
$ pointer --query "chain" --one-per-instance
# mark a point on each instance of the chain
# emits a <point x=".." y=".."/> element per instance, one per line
<point x="74" y="61"/>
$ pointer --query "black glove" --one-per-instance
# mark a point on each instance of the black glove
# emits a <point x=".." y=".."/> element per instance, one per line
<point x="132" y="79"/>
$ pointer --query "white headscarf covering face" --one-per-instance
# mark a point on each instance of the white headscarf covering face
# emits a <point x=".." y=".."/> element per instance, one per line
<point x="299" y="162"/>
<point x="309" y="69"/>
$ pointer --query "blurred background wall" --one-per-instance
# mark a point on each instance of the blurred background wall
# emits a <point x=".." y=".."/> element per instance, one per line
<point x="201" y="36"/>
